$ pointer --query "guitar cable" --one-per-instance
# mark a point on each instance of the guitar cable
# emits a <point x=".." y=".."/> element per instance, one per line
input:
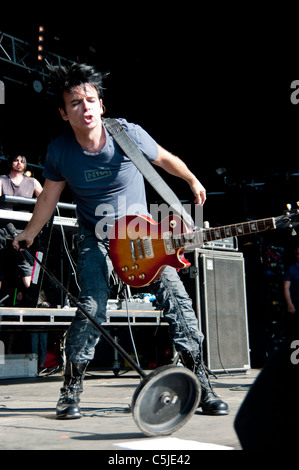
<point x="123" y="289"/>
<point x="71" y="261"/>
<point x="130" y="328"/>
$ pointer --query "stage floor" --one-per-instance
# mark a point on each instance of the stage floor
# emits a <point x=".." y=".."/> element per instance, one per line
<point x="27" y="416"/>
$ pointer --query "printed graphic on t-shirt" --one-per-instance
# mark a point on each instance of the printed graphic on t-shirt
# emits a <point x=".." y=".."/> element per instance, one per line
<point x="93" y="175"/>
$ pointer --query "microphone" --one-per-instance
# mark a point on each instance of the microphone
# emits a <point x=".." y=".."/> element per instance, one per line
<point x="12" y="231"/>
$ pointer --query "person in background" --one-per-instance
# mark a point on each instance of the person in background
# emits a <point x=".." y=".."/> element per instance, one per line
<point x="15" y="183"/>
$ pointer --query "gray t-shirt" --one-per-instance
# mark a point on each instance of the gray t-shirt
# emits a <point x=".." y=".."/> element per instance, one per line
<point x="105" y="186"/>
<point x="9" y="188"/>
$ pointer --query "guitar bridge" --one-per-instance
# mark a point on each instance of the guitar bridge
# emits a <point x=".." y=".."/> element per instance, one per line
<point x="168" y="243"/>
<point x="144" y="248"/>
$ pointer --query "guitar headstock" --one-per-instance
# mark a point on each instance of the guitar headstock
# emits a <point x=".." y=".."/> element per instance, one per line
<point x="289" y="219"/>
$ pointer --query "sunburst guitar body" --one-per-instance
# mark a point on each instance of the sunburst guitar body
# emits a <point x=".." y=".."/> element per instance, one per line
<point x="141" y="248"/>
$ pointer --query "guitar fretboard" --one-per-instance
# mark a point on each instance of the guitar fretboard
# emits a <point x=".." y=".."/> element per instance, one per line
<point x="236" y="230"/>
<point x="227" y="231"/>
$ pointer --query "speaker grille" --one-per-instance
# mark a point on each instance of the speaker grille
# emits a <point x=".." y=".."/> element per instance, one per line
<point x="224" y="312"/>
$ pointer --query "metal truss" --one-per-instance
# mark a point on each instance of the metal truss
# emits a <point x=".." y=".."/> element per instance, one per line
<point x="21" y="59"/>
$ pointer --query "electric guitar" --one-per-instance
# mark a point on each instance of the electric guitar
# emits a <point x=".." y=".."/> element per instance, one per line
<point x="141" y="248"/>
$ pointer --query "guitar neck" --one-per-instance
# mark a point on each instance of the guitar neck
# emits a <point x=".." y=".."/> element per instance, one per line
<point x="227" y="231"/>
<point x="237" y="230"/>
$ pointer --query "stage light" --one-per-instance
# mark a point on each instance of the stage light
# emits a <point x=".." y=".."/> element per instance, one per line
<point x="40" y="47"/>
<point x="28" y="174"/>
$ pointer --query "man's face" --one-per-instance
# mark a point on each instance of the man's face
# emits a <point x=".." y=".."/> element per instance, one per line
<point x="18" y="164"/>
<point x="83" y="108"/>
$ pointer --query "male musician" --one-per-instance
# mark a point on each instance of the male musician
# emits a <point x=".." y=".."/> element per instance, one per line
<point x="103" y="179"/>
<point x="15" y="183"/>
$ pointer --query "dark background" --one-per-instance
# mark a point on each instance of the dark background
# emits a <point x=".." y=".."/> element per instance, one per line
<point x="213" y="87"/>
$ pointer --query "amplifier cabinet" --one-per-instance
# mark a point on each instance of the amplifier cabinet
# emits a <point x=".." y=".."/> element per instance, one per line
<point x="220" y="298"/>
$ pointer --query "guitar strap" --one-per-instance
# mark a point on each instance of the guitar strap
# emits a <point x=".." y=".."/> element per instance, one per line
<point x="145" y="167"/>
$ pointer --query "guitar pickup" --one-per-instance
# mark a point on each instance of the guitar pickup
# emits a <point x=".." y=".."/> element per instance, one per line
<point x="133" y="251"/>
<point x="139" y="248"/>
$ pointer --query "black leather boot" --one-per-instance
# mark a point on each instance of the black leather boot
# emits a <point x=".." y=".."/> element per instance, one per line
<point x="68" y="404"/>
<point x="210" y="403"/>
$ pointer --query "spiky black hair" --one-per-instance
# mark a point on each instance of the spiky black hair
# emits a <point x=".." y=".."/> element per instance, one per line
<point x="64" y="78"/>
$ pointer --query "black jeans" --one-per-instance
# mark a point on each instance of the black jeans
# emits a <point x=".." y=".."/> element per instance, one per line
<point x="94" y="269"/>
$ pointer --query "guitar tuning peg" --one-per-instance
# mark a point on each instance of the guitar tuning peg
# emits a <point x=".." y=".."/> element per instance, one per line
<point x="289" y="206"/>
